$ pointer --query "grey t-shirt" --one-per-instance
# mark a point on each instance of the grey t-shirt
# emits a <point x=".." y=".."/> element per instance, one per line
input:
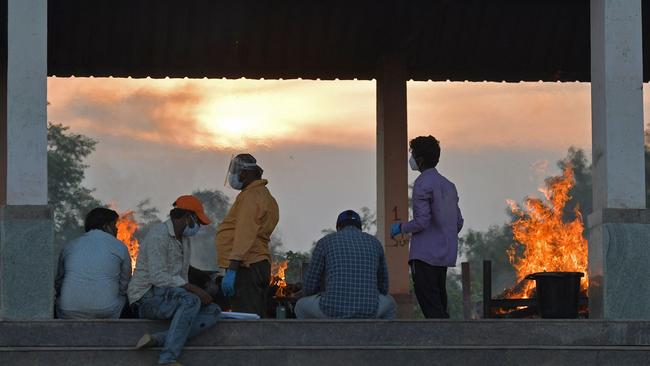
<point x="93" y="275"/>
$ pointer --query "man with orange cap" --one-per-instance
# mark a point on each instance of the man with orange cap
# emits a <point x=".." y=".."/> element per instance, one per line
<point x="160" y="288"/>
<point x="243" y="237"/>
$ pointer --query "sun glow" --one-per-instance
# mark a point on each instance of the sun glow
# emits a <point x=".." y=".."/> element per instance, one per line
<point x="241" y="121"/>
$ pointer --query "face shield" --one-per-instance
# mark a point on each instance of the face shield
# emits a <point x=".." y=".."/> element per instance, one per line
<point x="238" y="164"/>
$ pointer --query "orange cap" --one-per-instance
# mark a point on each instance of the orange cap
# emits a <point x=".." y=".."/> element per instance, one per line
<point x="191" y="203"/>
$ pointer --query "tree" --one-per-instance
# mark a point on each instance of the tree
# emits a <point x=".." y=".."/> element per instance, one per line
<point x="295" y="268"/>
<point x="368" y="220"/>
<point x="69" y="199"/>
<point x="147" y="216"/>
<point x="216" y="205"/>
<point x="581" y="193"/>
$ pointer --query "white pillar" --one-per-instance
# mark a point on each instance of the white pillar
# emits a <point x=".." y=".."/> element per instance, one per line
<point x="392" y="175"/>
<point x="27" y="103"/>
<point x="26" y="248"/>
<point x="619" y="228"/>
<point x="617" y="104"/>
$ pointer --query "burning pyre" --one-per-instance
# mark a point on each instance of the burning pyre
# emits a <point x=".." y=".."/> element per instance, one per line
<point x="278" y="278"/>
<point x="549" y="243"/>
<point x="126" y="227"/>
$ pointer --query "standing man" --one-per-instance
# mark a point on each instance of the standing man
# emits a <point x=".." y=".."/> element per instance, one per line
<point x="243" y="237"/>
<point x="435" y="226"/>
<point x="160" y="288"/>
<point x="94" y="271"/>
<point x="353" y="267"/>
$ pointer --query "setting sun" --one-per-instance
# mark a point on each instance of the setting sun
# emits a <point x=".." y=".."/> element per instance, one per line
<point x="239" y="121"/>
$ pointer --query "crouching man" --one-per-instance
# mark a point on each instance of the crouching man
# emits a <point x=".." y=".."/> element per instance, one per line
<point x="353" y="267"/>
<point x="160" y="288"/>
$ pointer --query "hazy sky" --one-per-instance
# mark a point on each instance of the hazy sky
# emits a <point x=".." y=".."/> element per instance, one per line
<point x="316" y="140"/>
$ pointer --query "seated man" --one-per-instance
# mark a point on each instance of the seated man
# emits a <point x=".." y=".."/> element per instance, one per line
<point x="94" y="271"/>
<point x="353" y="266"/>
<point x="160" y="288"/>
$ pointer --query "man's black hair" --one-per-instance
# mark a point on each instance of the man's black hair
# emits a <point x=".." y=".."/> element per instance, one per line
<point x="99" y="217"/>
<point x="177" y="213"/>
<point x="427" y="148"/>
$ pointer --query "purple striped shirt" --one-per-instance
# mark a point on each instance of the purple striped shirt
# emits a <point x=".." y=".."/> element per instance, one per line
<point x="436" y="220"/>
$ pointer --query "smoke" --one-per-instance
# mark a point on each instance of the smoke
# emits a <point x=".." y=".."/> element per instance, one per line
<point x="515" y="117"/>
<point x="217" y="115"/>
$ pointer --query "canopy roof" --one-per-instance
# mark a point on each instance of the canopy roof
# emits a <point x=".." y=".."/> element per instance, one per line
<point x="475" y="40"/>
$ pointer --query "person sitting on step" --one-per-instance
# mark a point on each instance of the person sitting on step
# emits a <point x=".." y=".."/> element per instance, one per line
<point x="353" y="266"/>
<point x="93" y="271"/>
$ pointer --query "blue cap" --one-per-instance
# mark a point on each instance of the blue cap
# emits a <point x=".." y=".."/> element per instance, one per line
<point x="348" y="215"/>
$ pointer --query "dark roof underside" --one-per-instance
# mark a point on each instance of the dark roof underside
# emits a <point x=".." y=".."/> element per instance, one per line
<point x="475" y="40"/>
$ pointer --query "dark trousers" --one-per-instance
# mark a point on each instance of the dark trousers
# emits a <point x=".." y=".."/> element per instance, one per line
<point x="430" y="283"/>
<point x="251" y="286"/>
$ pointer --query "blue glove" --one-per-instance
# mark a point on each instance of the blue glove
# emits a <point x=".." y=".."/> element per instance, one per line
<point x="228" y="283"/>
<point x="395" y="229"/>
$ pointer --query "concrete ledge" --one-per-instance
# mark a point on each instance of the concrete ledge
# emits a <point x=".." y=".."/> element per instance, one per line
<point x="619" y="216"/>
<point x="327" y="356"/>
<point x="315" y="333"/>
<point x="327" y="342"/>
<point x="26" y="212"/>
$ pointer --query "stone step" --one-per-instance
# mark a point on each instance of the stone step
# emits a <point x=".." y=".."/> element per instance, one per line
<point x="336" y="342"/>
<point x="339" y="355"/>
<point x="348" y="333"/>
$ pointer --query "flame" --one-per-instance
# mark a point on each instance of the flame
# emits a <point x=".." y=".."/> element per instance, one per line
<point x="278" y="278"/>
<point x="549" y="244"/>
<point x="126" y="227"/>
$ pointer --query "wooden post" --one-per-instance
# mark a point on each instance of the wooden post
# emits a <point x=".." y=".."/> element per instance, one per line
<point x="467" y="290"/>
<point x="392" y="176"/>
<point x="487" y="289"/>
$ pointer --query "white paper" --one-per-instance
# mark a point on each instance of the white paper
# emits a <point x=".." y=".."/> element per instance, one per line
<point x="240" y="316"/>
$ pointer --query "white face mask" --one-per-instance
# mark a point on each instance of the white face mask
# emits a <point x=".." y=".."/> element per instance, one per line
<point x="235" y="168"/>
<point x="235" y="183"/>
<point x="191" y="230"/>
<point x="413" y="164"/>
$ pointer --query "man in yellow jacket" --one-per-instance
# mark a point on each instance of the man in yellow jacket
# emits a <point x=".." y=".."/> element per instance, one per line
<point x="243" y="237"/>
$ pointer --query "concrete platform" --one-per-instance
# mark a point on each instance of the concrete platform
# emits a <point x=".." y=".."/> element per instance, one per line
<point x="291" y="342"/>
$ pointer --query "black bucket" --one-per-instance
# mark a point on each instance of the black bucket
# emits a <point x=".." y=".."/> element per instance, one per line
<point x="558" y="293"/>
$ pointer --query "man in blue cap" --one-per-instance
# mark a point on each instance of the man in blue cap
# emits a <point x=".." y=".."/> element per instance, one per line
<point x="347" y="276"/>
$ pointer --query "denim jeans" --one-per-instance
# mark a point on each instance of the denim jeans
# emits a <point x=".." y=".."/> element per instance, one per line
<point x="309" y="308"/>
<point x="188" y="317"/>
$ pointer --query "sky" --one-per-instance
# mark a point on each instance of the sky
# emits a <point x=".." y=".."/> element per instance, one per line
<point x="161" y="138"/>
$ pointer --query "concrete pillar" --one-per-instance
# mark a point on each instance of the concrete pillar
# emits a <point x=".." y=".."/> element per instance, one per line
<point x="26" y="245"/>
<point x="392" y="179"/>
<point x="619" y="236"/>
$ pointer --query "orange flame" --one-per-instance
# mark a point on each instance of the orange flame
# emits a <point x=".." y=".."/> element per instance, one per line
<point x="126" y="227"/>
<point x="278" y="277"/>
<point x="549" y="244"/>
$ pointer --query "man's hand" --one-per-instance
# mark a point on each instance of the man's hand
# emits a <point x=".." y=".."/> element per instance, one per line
<point x="228" y="283"/>
<point x="201" y="293"/>
<point x="395" y="229"/>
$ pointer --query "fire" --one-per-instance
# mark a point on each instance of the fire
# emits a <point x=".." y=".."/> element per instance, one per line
<point x="126" y="227"/>
<point x="278" y="278"/>
<point x="549" y="244"/>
